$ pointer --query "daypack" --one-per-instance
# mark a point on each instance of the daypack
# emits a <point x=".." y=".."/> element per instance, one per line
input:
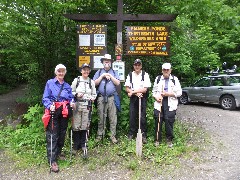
<point x="143" y="73"/>
<point x="78" y="81"/>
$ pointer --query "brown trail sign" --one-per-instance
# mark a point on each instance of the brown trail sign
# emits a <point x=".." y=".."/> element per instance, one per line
<point x="120" y="17"/>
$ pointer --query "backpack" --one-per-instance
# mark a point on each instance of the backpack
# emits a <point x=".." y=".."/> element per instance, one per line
<point x="78" y="81"/>
<point x="143" y="73"/>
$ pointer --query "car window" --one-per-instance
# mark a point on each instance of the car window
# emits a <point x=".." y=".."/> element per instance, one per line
<point x="233" y="80"/>
<point x="217" y="81"/>
<point x="204" y="82"/>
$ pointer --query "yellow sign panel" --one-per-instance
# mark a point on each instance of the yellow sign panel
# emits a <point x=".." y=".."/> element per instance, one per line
<point x="83" y="59"/>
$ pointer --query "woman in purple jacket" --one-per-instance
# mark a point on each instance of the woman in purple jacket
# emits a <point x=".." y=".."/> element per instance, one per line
<point x="56" y="100"/>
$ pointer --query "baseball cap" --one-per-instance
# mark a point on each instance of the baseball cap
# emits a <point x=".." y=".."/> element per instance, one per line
<point x="85" y="65"/>
<point x="137" y="61"/>
<point x="60" y="66"/>
<point x="166" y="66"/>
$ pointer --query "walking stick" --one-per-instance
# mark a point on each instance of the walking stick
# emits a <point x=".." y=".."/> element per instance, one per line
<point x="71" y="142"/>
<point x="159" y="117"/>
<point x="87" y="131"/>
<point x="139" y="134"/>
<point x="51" y="154"/>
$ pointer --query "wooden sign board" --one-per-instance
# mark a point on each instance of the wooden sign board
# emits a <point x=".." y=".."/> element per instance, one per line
<point x="150" y="41"/>
<point x="91" y="43"/>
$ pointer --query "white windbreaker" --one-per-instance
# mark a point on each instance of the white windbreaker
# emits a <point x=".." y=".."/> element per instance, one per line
<point x="174" y="87"/>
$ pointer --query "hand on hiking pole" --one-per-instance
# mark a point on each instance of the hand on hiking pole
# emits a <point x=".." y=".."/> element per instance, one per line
<point x="52" y="107"/>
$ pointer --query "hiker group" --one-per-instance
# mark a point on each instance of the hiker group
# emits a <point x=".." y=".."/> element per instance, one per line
<point x="62" y="101"/>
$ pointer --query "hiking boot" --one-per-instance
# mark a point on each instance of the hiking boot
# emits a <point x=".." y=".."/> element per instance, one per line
<point x="54" y="167"/>
<point x="170" y="143"/>
<point x="130" y="137"/>
<point x="156" y="143"/>
<point x="74" y="152"/>
<point x="113" y="139"/>
<point x="144" y="140"/>
<point x="99" y="138"/>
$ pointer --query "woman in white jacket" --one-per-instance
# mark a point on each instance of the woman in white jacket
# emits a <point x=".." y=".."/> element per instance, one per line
<point x="84" y="91"/>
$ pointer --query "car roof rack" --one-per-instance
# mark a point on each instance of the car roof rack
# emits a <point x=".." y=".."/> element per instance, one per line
<point x="225" y="70"/>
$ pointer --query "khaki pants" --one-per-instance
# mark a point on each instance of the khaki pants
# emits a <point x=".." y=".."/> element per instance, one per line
<point x="110" y="111"/>
<point x="80" y="118"/>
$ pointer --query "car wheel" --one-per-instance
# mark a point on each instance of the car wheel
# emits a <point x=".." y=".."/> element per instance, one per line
<point x="228" y="102"/>
<point x="183" y="98"/>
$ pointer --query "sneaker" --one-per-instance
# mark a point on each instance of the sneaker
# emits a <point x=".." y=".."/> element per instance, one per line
<point x="156" y="143"/>
<point x="54" y="167"/>
<point x="113" y="139"/>
<point x="130" y="137"/>
<point x="144" y="140"/>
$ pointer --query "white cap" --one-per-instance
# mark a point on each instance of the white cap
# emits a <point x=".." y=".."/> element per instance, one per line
<point x="60" y="66"/>
<point x="166" y="66"/>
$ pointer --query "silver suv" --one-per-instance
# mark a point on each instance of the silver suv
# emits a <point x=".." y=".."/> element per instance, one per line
<point x="222" y="89"/>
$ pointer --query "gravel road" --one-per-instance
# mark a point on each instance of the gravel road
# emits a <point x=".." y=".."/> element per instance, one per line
<point x="219" y="160"/>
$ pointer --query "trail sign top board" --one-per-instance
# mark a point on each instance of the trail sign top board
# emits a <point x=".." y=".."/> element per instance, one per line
<point x="150" y="41"/>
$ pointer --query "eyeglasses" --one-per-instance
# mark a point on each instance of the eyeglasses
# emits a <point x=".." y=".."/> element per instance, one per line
<point x="166" y="69"/>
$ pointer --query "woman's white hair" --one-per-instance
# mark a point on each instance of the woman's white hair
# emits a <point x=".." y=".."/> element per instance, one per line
<point x="60" y="66"/>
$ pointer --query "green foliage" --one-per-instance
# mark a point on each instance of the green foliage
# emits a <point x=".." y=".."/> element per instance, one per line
<point x="27" y="140"/>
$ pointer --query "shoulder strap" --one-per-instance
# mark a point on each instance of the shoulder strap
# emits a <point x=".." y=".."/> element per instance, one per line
<point x="90" y="83"/>
<point x="173" y="80"/>
<point x="60" y="92"/>
<point x="99" y="73"/>
<point x="158" y="79"/>
<point x="143" y="73"/>
<point x="78" y="81"/>
<point x="130" y="75"/>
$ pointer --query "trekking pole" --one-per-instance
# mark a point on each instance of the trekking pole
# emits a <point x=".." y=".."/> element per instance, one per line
<point x="71" y="142"/>
<point x="87" y="131"/>
<point x="51" y="146"/>
<point x="71" y="138"/>
<point x="159" y="117"/>
<point x="139" y="134"/>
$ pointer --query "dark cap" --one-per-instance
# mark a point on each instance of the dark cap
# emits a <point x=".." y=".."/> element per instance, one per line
<point x="85" y="65"/>
<point x="137" y="61"/>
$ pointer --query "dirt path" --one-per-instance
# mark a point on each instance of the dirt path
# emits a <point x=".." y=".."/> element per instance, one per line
<point x="8" y="101"/>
